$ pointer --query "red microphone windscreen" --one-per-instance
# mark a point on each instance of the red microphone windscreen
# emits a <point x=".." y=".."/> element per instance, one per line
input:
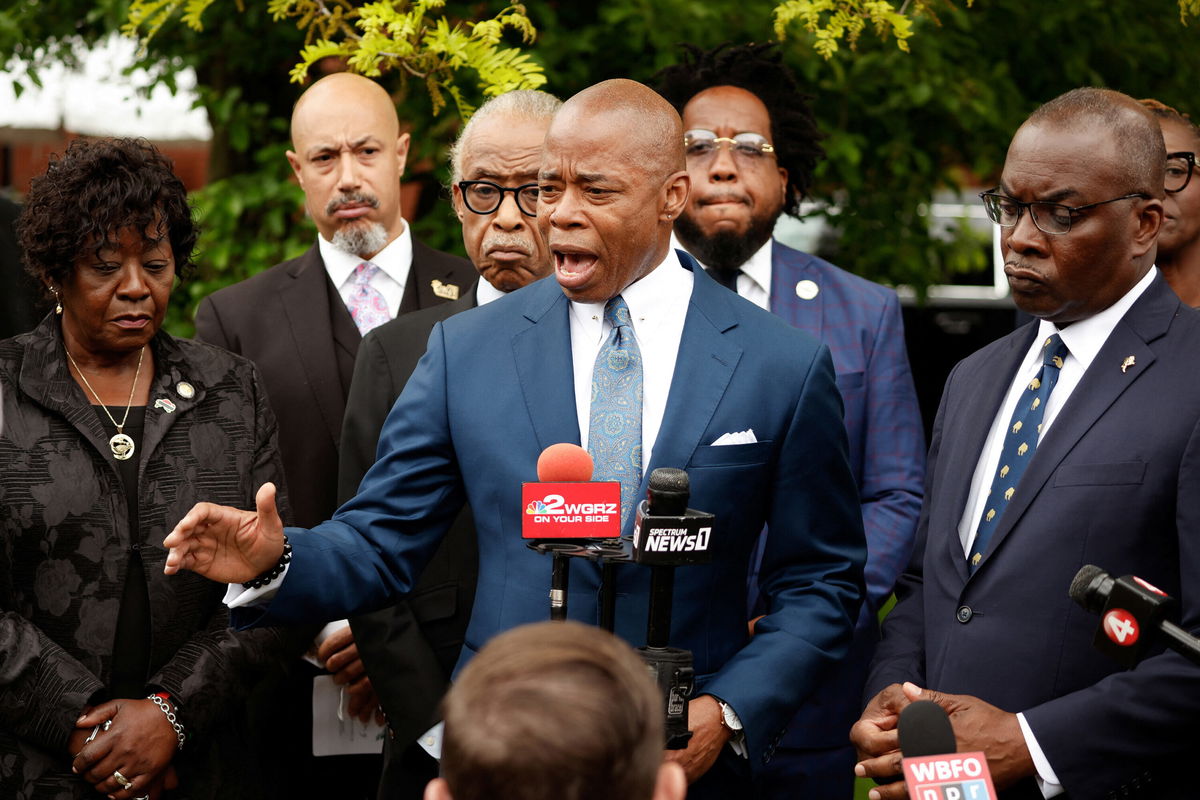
<point x="564" y="463"/>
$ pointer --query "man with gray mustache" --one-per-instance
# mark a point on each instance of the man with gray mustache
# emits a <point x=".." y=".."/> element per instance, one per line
<point x="410" y="650"/>
<point x="301" y="323"/>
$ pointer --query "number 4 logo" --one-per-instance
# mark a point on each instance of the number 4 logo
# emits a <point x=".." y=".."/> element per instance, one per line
<point x="1121" y="627"/>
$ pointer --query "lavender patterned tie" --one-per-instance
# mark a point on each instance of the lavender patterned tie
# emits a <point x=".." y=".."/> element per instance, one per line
<point x="615" y="420"/>
<point x="366" y="305"/>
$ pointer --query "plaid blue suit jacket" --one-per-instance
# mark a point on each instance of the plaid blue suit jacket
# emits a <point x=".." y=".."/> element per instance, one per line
<point x="860" y="323"/>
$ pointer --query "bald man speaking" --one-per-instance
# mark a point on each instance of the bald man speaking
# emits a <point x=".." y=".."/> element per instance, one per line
<point x="634" y="353"/>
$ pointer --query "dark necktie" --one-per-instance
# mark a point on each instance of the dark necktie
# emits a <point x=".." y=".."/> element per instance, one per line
<point x="1020" y="443"/>
<point x="615" y="416"/>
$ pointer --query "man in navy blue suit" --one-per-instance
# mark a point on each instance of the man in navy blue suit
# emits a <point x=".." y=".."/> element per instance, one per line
<point x="741" y="400"/>
<point x="1074" y="440"/>
<point x="752" y="146"/>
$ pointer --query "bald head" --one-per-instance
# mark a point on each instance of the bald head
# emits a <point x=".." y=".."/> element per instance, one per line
<point x="344" y="94"/>
<point x="348" y="155"/>
<point x="1140" y="156"/>
<point x="651" y="125"/>
<point x="611" y="184"/>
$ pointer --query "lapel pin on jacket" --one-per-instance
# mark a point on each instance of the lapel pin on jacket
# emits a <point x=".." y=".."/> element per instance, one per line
<point x="165" y="404"/>
<point x="185" y="390"/>
<point x="807" y="290"/>
<point x="446" y="291"/>
<point x="1128" y="362"/>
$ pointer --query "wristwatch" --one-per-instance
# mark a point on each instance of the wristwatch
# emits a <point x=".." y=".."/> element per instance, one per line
<point x="729" y="717"/>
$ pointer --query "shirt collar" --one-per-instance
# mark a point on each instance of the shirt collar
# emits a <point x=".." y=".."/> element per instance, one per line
<point x="486" y="293"/>
<point x="757" y="267"/>
<point x="1085" y="337"/>
<point x="395" y="259"/>
<point x="651" y="299"/>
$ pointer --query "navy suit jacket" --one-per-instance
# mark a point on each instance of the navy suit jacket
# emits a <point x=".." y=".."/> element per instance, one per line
<point x="1115" y="482"/>
<point x="495" y="388"/>
<point x="860" y="322"/>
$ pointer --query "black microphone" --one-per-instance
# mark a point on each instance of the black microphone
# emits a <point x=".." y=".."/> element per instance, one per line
<point x="932" y="766"/>
<point x="1129" y="607"/>
<point x="925" y="730"/>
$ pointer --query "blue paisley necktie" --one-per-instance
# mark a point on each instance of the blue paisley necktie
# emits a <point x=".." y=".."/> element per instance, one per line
<point x="615" y="420"/>
<point x="1020" y="442"/>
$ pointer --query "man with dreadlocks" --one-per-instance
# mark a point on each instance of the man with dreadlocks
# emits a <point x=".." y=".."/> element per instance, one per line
<point x="752" y="146"/>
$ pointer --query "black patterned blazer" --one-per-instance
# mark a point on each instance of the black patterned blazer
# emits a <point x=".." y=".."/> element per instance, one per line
<point x="65" y="548"/>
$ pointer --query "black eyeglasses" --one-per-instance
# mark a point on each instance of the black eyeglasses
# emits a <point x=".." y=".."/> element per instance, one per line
<point x="751" y="147"/>
<point x="1052" y="218"/>
<point x="1179" y="171"/>
<point x="484" y="197"/>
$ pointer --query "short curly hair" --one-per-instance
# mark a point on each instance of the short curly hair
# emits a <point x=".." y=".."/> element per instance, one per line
<point x="759" y="69"/>
<point x="92" y="191"/>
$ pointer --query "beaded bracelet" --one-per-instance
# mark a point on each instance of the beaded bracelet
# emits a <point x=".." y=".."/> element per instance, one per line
<point x="160" y="700"/>
<point x="275" y="571"/>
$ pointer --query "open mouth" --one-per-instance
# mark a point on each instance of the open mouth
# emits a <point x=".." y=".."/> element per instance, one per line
<point x="573" y="266"/>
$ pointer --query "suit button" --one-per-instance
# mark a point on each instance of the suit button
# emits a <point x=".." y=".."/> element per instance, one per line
<point x="964" y="614"/>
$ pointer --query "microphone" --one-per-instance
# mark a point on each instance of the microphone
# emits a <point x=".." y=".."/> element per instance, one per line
<point x="1129" y="607"/>
<point x="933" y="770"/>
<point x="665" y="531"/>
<point x="565" y="503"/>
<point x="925" y="730"/>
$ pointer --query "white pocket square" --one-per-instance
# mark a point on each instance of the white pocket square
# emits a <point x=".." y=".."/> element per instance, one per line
<point x="736" y="437"/>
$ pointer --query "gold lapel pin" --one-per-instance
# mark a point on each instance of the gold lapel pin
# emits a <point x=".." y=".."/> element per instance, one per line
<point x="446" y="291"/>
<point x="1128" y="362"/>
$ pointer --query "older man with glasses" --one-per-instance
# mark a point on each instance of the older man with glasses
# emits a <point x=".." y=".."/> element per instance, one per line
<point x="409" y="650"/>
<point x="1074" y="440"/>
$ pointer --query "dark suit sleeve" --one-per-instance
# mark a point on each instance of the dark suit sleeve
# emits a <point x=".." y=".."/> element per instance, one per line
<point x="43" y="689"/>
<point x="209" y="327"/>
<point x="811" y="569"/>
<point x="1092" y="736"/>
<point x="894" y="462"/>
<point x="900" y="656"/>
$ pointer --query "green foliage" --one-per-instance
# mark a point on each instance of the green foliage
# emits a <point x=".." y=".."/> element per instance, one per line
<point x="248" y="222"/>
<point x="401" y="37"/>
<point x="832" y="21"/>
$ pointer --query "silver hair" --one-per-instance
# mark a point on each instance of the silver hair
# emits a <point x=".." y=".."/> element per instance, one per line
<point x="529" y="104"/>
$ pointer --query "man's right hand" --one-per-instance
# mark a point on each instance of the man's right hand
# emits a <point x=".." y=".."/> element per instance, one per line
<point x="226" y="544"/>
<point x="877" y="738"/>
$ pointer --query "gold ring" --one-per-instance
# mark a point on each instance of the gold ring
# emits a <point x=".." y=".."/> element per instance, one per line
<point x="121" y="779"/>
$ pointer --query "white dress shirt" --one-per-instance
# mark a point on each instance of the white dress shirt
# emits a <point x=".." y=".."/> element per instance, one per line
<point x="754" y="283"/>
<point x="394" y="262"/>
<point x="658" y="304"/>
<point x="1083" y="340"/>
<point x="486" y="293"/>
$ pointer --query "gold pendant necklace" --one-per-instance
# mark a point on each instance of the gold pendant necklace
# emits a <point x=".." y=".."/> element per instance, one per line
<point x="121" y="445"/>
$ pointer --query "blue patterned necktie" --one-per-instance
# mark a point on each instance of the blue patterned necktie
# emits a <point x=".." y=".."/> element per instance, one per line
<point x="615" y="418"/>
<point x="1020" y="443"/>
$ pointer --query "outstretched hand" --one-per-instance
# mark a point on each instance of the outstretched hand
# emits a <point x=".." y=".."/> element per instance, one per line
<point x="226" y="544"/>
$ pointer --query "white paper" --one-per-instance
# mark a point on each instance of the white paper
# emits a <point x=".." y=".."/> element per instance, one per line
<point x="335" y="732"/>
